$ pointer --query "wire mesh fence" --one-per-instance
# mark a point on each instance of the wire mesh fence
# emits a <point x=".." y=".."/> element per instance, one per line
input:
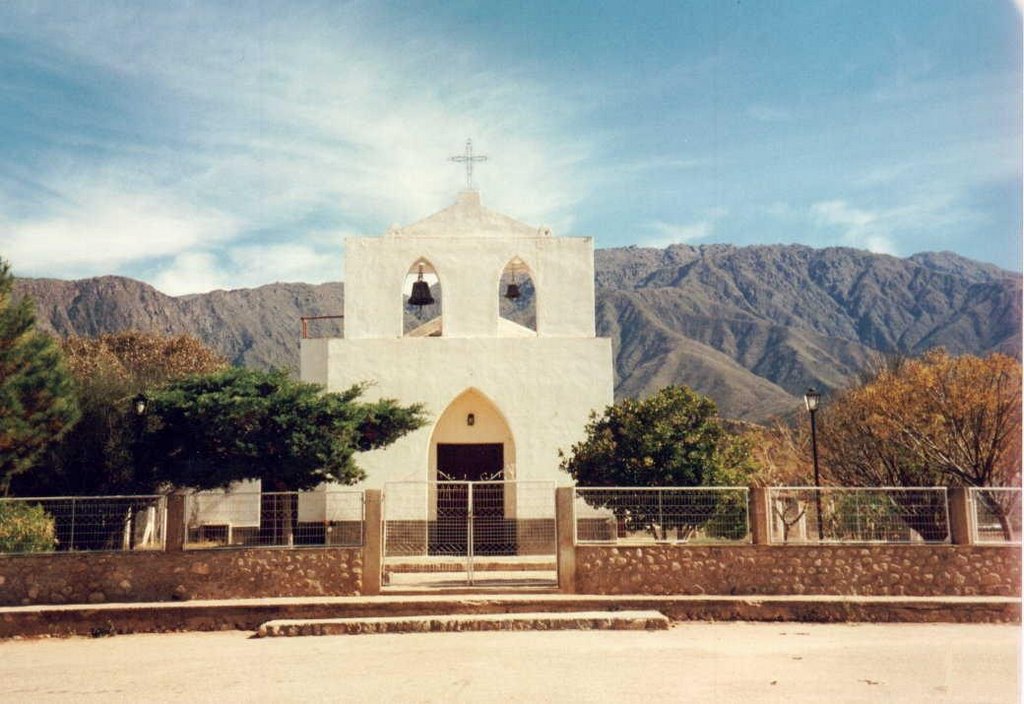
<point x="996" y="514"/>
<point x="858" y="515"/>
<point x="671" y="514"/>
<point x="66" y="523"/>
<point x="460" y="518"/>
<point x="469" y="532"/>
<point x="503" y="518"/>
<point x="222" y="519"/>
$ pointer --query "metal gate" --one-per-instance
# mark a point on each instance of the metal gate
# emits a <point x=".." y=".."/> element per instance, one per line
<point x="458" y="533"/>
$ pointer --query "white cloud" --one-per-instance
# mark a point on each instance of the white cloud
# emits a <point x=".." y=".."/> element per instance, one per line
<point x="907" y="226"/>
<point x="247" y="266"/>
<point x="880" y="229"/>
<point x="871" y="230"/>
<point x="664" y="234"/>
<point x="839" y="212"/>
<point x="284" y="122"/>
<point x="286" y="262"/>
<point x="108" y="227"/>
<point x="192" y="272"/>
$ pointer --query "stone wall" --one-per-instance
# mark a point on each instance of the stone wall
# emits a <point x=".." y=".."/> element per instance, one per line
<point x="83" y="577"/>
<point x="882" y="570"/>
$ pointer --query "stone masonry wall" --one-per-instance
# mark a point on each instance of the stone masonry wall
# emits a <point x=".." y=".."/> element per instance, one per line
<point x="882" y="570"/>
<point x="84" y="577"/>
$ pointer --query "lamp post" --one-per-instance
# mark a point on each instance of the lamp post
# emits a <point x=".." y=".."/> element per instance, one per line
<point x="139" y="406"/>
<point x="811" y="400"/>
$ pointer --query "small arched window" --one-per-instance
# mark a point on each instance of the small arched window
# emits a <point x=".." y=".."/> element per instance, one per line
<point x="517" y="299"/>
<point x="421" y="301"/>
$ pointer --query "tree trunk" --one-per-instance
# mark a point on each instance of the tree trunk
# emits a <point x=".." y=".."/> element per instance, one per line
<point x="1006" y="525"/>
<point x="277" y="518"/>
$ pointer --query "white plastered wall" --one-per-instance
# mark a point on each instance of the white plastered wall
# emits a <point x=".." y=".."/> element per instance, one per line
<point x="543" y="385"/>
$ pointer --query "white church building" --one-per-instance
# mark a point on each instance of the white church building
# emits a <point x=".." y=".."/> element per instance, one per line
<point x="501" y="398"/>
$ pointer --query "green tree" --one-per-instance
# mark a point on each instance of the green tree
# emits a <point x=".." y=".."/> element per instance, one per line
<point x="671" y="439"/>
<point x="207" y="431"/>
<point x="36" y="401"/>
<point x="97" y="456"/>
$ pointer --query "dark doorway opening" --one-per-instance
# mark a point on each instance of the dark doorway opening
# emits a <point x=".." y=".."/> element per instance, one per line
<point x="471" y="463"/>
<point x="471" y="475"/>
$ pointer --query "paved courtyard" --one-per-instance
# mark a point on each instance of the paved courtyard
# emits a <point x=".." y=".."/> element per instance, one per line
<point x="693" y="662"/>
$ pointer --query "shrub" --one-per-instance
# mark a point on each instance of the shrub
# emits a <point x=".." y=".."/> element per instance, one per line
<point x="25" y="528"/>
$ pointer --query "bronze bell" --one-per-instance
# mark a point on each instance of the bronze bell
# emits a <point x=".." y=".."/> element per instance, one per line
<point x="512" y="292"/>
<point x="420" y="295"/>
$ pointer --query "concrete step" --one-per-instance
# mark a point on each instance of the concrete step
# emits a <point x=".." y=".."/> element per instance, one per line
<point x="458" y="564"/>
<point x="537" y="621"/>
<point x="481" y="587"/>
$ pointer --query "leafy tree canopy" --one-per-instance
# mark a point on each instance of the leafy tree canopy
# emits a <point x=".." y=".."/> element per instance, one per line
<point x="97" y="455"/>
<point x="673" y="438"/>
<point x="138" y="360"/>
<point x="206" y="431"/>
<point x="936" y="419"/>
<point x="36" y="400"/>
<point x="929" y="421"/>
<point x="781" y="452"/>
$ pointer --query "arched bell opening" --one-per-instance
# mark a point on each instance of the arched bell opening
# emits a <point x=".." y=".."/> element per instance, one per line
<point x="421" y="301"/>
<point x="517" y="300"/>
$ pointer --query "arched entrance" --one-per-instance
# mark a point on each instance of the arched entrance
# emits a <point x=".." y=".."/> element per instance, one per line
<point x="472" y="456"/>
<point x="472" y="441"/>
<point x="470" y="515"/>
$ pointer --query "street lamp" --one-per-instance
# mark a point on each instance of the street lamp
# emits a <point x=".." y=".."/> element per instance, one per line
<point x="811" y="400"/>
<point x="139" y="406"/>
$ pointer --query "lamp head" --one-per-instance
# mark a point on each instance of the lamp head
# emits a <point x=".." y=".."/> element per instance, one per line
<point x="811" y="399"/>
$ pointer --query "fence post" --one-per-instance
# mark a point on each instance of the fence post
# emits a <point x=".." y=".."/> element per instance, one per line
<point x="373" y="543"/>
<point x="960" y="532"/>
<point x="760" y="527"/>
<point x="565" y="532"/>
<point x="174" y="538"/>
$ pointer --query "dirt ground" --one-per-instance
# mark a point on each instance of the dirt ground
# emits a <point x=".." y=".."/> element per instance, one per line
<point x="693" y="662"/>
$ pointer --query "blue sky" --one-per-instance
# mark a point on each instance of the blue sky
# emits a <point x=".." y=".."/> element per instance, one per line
<point x="222" y="145"/>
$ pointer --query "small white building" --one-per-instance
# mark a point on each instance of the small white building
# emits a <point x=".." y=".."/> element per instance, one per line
<point x="502" y="398"/>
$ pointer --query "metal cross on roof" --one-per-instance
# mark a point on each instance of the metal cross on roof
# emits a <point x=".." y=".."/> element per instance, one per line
<point x="468" y="158"/>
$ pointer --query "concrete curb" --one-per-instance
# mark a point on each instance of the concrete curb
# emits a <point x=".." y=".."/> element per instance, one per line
<point x="248" y="614"/>
<point x="534" y="621"/>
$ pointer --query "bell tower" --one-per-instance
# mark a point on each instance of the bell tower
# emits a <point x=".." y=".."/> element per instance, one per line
<point x="535" y="385"/>
<point x="465" y="248"/>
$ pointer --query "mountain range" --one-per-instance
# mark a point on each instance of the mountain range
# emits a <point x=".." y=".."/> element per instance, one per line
<point x="752" y="327"/>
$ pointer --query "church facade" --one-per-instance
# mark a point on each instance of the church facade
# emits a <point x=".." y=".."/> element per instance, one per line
<point x="502" y="397"/>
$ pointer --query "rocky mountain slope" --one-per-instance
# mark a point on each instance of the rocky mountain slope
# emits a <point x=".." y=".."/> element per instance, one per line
<point x="750" y="326"/>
